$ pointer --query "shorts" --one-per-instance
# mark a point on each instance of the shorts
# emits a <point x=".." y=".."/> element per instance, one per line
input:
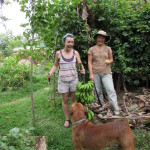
<point x="65" y="87"/>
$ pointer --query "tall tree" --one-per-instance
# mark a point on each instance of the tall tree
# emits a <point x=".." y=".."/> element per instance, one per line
<point x="126" y="20"/>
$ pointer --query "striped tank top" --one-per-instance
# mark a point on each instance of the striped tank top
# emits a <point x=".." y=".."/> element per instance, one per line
<point x="67" y="68"/>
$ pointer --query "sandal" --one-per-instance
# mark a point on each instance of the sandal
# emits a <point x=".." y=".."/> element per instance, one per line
<point x="67" y="124"/>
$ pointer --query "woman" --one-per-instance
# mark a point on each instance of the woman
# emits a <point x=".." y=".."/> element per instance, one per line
<point x="66" y="59"/>
<point x="99" y="60"/>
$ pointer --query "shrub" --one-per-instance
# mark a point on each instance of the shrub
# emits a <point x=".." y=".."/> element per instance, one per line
<point x="17" y="139"/>
<point x="13" y="75"/>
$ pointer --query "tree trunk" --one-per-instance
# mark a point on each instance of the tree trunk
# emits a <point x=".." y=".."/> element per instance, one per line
<point x="124" y="87"/>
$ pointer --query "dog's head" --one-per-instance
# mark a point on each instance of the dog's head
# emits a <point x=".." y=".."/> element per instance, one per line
<point x="77" y="112"/>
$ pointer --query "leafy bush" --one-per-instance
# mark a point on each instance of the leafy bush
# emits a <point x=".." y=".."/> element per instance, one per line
<point x="17" y="139"/>
<point x="13" y="75"/>
<point x="126" y="21"/>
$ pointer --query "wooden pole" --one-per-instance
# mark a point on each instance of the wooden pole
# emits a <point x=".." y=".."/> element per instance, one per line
<point x="31" y="75"/>
<point x="54" y="81"/>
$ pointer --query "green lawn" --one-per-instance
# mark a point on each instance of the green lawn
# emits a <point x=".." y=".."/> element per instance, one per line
<point x="16" y="111"/>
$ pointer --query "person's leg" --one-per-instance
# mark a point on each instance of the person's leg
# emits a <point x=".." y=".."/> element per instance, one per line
<point x="109" y="87"/>
<point x="65" y="108"/>
<point x="73" y="96"/>
<point x="72" y="88"/>
<point x="98" y="85"/>
<point x="63" y="88"/>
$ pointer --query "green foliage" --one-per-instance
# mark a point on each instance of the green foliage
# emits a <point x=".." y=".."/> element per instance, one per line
<point x="142" y="139"/>
<point x="126" y="21"/>
<point x="4" y="40"/>
<point x="129" y="27"/>
<point x="8" y="42"/>
<point x="15" y="111"/>
<point x="17" y="139"/>
<point x="13" y="75"/>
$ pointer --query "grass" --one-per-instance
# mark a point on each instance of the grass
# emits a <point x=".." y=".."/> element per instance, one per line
<point x="16" y="111"/>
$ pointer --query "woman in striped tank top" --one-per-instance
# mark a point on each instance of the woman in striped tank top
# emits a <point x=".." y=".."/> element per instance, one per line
<point x="66" y="59"/>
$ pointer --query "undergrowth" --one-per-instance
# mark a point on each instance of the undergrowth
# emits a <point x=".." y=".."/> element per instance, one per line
<point x="16" y="112"/>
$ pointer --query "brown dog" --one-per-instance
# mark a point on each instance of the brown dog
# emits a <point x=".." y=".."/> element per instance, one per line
<point x="95" y="137"/>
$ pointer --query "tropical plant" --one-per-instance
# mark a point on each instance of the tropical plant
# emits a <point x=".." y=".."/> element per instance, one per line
<point x="12" y="74"/>
<point x="8" y="42"/>
<point x="127" y="22"/>
<point x="18" y="139"/>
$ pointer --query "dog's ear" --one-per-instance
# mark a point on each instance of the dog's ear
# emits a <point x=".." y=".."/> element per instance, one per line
<point x="71" y="111"/>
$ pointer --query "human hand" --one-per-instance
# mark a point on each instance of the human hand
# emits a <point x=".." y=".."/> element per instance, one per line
<point x="48" y="76"/>
<point x="91" y="77"/>
<point x="82" y="71"/>
<point x="108" y="61"/>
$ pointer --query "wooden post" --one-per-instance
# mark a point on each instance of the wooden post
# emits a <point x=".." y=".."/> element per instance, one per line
<point x="54" y="81"/>
<point x="31" y="75"/>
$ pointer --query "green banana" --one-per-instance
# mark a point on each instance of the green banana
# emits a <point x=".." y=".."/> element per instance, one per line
<point x="89" y="117"/>
<point x="91" y="112"/>
<point x="82" y="100"/>
<point x="83" y="93"/>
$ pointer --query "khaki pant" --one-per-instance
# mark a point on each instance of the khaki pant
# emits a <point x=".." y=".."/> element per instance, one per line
<point x="107" y="81"/>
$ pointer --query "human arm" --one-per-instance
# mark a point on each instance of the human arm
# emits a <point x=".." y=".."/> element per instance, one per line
<point x="82" y="70"/>
<point x="56" y="63"/>
<point x="110" y="57"/>
<point x="90" y="67"/>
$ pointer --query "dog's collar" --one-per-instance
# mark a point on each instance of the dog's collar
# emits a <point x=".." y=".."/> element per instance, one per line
<point x="77" y="122"/>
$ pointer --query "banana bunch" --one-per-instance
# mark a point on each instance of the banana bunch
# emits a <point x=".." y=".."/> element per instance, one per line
<point x="90" y="114"/>
<point x="85" y="96"/>
<point x="87" y="87"/>
<point x="84" y="92"/>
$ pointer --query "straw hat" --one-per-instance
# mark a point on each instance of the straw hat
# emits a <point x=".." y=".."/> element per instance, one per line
<point x="103" y="33"/>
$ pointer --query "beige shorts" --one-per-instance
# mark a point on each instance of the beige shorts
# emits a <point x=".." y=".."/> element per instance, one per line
<point x="65" y="87"/>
